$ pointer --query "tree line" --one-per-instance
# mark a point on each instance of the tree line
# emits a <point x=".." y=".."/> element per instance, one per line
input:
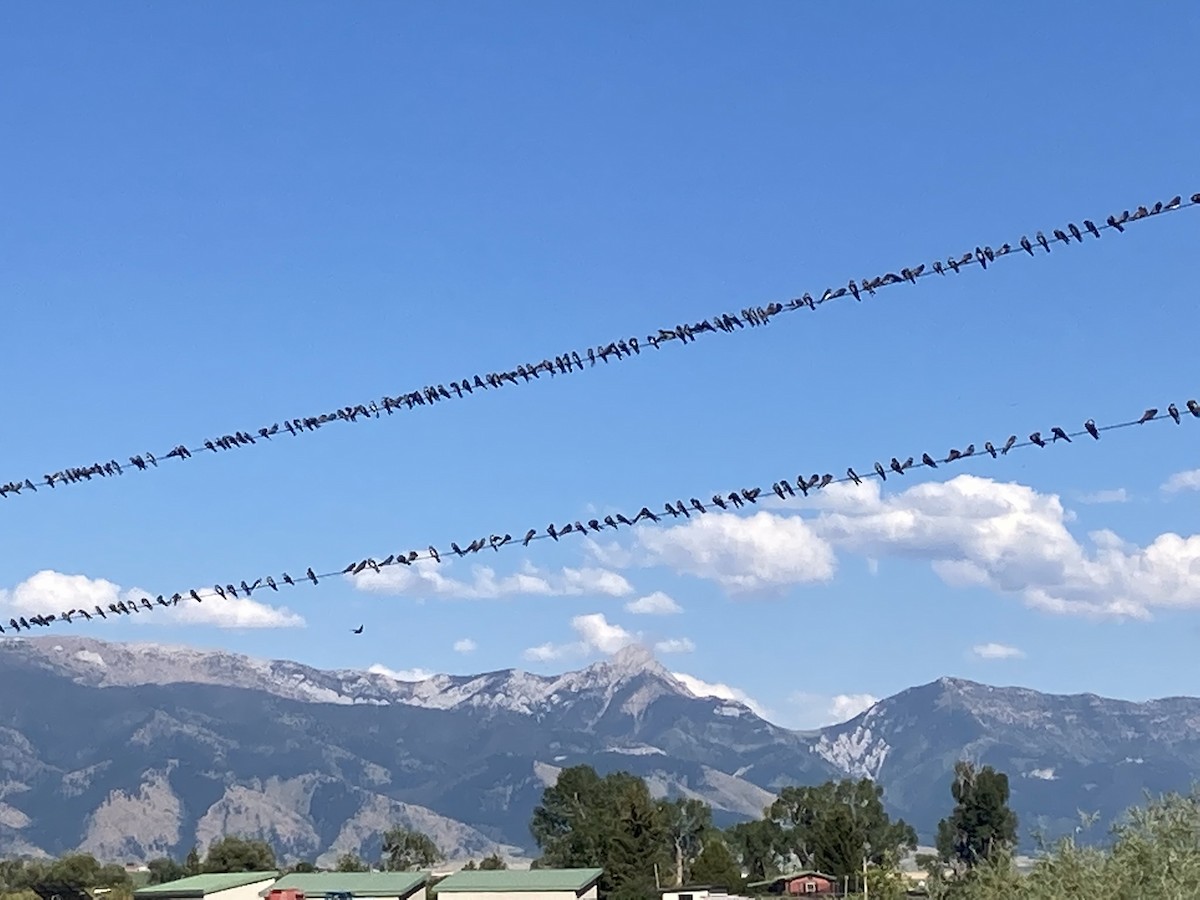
<point x="839" y="828"/>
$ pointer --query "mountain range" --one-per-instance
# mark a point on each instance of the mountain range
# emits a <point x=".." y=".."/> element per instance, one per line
<point x="131" y="751"/>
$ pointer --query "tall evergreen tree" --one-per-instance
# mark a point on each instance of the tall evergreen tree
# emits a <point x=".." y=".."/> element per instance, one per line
<point x="981" y="824"/>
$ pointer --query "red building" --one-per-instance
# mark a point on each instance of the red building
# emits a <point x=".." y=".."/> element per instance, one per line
<point x="808" y="883"/>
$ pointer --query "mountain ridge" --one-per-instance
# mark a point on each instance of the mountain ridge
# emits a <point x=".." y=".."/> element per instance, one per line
<point x="193" y="743"/>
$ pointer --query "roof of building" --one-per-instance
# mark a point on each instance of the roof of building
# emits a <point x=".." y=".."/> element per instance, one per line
<point x="577" y="880"/>
<point x="790" y="875"/>
<point x="199" y="885"/>
<point x="360" y="884"/>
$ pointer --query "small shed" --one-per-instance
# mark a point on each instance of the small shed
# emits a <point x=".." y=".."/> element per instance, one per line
<point x="807" y="882"/>
<point x="380" y="885"/>
<point x="223" y="886"/>
<point x="521" y="884"/>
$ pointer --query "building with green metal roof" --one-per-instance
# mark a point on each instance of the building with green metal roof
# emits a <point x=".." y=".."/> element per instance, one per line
<point x="215" y="886"/>
<point x="383" y="885"/>
<point x="522" y="884"/>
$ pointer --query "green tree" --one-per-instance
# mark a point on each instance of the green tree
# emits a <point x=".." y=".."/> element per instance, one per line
<point x="716" y="865"/>
<point x="239" y="854"/>
<point x="687" y="821"/>
<point x="164" y="869"/>
<point x="493" y="862"/>
<point x="758" y="846"/>
<point x="612" y="822"/>
<point x="981" y="823"/>
<point x="405" y="850"/>
<point x="350" y="862"/>
<point x="191" y="863"/>
<point x="835" y="826"/>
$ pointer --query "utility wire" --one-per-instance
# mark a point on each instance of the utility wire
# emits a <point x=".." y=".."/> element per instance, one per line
<point x="784" y="489"/>
<point x="570" y="362"/>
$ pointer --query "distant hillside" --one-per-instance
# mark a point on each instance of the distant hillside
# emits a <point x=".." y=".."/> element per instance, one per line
<point x="136" y="750"/>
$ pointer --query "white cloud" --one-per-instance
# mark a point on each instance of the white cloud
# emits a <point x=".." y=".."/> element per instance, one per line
<point x="762" y="551"/>
<point x="1115" y="495"/>
<point x="656" y="604"/>
<point x="596" y="635"/>
<point x="465" y="645"/>
<point x="1182" y="481"/>
<point x="427" y="578"/>
<point x="997" y="651"/>
<point x="48" y="591"/>
<point x="721" y="691"/>
<point x="400" y="674"/>
<point x="974" y="531"/>
<point x="819" y="710"/>
<point x="675" y="645"/>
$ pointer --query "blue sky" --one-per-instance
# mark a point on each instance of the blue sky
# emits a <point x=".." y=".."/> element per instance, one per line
<point x="219" y="216"/>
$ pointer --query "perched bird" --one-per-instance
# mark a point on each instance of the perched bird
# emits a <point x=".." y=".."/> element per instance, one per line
<point x="287" y="579"/>
<point x="879" y="470"/>
<point x="1060" y="435"/>
<point x="552" y="531"/>
<point x="928" y="460"/>
<point x="1008" y="445"/>
<point x="1148" y="415"/>
<point x="194" y="596"/>
<point x="1036" y="437"/>
<point x="528" y="537"/>
<point x="312" y="576"/>
<point x="1091" y="226"/>
<point x="1090" y="426"/>
<point x="1194" y="408"/>
<point x="1173" y="412"/>
<point x="896" y="466"/>
<point x="1026" y="245"/>
<point x="854" y="475"/>
<point x="1041" y="239"/>
<point x="990" y="448"/>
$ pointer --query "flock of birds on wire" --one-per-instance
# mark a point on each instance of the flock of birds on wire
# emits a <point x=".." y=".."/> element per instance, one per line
<point x="572" y="361"/>
<point x="784" y="489"/>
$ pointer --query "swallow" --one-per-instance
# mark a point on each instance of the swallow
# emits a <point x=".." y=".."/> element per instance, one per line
<point x="194" y="596"/>
<point x="854" y="475"/>
<point x="1061" y="235"/>
<point x="720" y="501"/>
<point x="1091" y="227"/>
<point x="928" y="460"/>
<point x="529" y="535"/>
<point x="854" y="290"/>
<point x="896" y="466"/>
<point x="552" y="531"/>
<point x="358" y="630"/>
<point x="1147" y="416"/>
<point x="1113" y="223"/>
<point x="1173" y="412"/>
<point x="434" y="555"/>
<point x="1075" y="233"/>
<point x="1090" y="427"/>
<point x="1041" y="239"/>
<point x="1008" y="445"/>
<point x="1194" y="408"/>
<point x="1036" y="437"/>
<point x="1060" y="435"/>
<point x="287" y="579"/>
<point x="879" y="470"/>
<point x="1026" y="245"/>
<point x="312" y="576"/>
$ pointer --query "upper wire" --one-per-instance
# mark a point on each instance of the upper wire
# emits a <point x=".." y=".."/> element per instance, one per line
<point x="785" y="489"/>
<point x="571" y="361"/>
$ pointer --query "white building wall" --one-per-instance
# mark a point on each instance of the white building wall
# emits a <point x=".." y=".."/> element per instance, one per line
<point x="245" y="892"/>
<point x="590" y="894"/>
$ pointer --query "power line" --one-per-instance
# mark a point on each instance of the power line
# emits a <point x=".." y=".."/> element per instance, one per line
<point x="572" y="361"/>
<point x="785" y="489"/>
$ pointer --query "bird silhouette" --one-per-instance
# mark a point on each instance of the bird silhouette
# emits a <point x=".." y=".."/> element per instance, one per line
<point x="1147" y="416"/>
<point x="879" y="470"/>
<point x="358" y="630"/>
<point x="1173" y="412"/>
<point x="1090" y="427"/>
<point x="928" y="460"/>
<point x="854" y="475"/>
<point x="1060" y="435"/>
<point x="312" y="576"/>
<point x="990" y="448"/>
<point x="1008" y="445"/>
<point x="1036" y="437"/>
<point x="1194" y="408"/>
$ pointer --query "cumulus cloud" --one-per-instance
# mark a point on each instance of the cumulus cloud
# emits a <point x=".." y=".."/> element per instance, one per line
<point x="465" y="645"/>
<point x="1182" y="481"/>
<point x="762" y="551"/>
<point x="656" y="604"/>
<point x="818" y="710"/>
<point x="675" y="645"/>
<point x="49" y="591"/>
<point x="721" y="691"/>
<point x="1003" y="536"/>
<point x="595" y="635"/>
<point x="997" y="651"/>
<point x="427" y="578"/>
<point x="400" y="674"/>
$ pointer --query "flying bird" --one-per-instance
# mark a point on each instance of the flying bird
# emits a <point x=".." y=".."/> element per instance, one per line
<point x="358" y="630"/>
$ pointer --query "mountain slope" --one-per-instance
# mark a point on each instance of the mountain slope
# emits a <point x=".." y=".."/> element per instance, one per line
<point x="188" y="744"/>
